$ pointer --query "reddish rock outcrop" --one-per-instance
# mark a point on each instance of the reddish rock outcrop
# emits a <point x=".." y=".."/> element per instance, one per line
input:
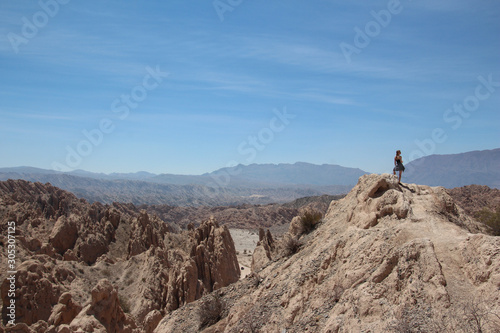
<point x="215" y="256"/>
<point x="65" y="310"/>
<point x="263" y="252"/>
<point x="103" y="312"/>
<point x="473" y="198"/>
<point x="64" y="235"/>
<point x="39" y="283"/>
<point x="146" y="232"/>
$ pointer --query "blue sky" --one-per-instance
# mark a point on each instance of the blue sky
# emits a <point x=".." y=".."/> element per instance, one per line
<point x="188" y="87"/>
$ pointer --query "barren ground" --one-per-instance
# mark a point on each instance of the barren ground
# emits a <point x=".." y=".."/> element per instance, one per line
<point x="245" y="241"/>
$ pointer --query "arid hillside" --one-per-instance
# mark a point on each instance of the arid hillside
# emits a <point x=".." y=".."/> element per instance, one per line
<point x="276" y="217"/>
<point x="386" y="258"/>
<point x="474" y="198"/>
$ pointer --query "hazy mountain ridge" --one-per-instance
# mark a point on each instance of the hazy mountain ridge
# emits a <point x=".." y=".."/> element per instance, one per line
<point x="141" y="192"/>
<point x="456" y="170"/>
<point x="299" y="173"/>
<point x="257" y="175"/>
<point x="258" y="183"/>
<point x="283" y="183"/>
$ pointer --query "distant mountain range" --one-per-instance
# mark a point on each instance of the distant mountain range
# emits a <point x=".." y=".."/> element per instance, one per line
<point x="141" y="175"/>
<point x="258" y="183"/>
<point x="254" y="184"/>
<point x="456" y="170"/>
<point x="299" y="173"/>
<point x="255" y="175"/>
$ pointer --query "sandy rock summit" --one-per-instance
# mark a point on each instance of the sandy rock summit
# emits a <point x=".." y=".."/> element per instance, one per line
<point x="388" y="257"/>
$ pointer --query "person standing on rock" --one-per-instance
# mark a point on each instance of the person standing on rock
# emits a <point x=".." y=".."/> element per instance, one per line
<point x="398" y="165"/>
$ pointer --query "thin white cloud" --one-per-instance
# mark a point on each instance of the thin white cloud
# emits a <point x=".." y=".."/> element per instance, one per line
<point x="36" y="116"/>
<point x="326" y="98"/>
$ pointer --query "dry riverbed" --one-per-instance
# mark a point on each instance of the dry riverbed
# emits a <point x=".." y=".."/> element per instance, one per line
<point x="244" y="241"/>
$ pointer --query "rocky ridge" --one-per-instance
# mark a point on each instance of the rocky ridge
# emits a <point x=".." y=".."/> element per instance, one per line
<point x="473" y="198"/>
<point x="103" y="268"/>
<point x="271" y="216"/>
<point x="386" y="258"/>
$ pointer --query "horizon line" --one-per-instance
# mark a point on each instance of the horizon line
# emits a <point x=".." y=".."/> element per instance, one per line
<point x="174" y="174"/>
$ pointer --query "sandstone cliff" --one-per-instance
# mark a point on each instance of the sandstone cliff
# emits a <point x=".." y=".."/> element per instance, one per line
<point x="386" y="258"/>
<point x="103" y="268"/>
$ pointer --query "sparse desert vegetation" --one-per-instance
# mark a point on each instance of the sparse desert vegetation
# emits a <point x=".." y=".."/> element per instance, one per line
<point x="490" y="218"/>
<point x="309" y="219"/>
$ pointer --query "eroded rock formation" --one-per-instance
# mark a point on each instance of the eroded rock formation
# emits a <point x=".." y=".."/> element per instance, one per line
<point x="104" y="312"/>
<point x="99" y="268"/>
<point x="263" y="252"/>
